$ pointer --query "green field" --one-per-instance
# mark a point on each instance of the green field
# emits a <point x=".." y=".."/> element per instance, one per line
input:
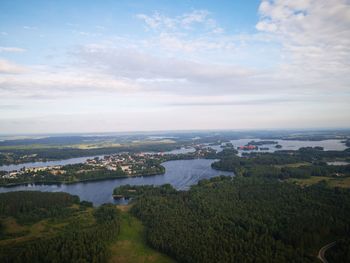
<point x="131" y="245"/>
<point x="343" y="182"/>
<point x="15" y="233"/>
<point x="292" y="165"/>
<point x="87" y="145"/>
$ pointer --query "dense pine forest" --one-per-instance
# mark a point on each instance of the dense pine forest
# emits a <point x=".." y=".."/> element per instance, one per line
<point x="304" y="163"/>
<point x="54" y="227"/>
<point x="254" y="219"/>
<point x="256" y="216"/>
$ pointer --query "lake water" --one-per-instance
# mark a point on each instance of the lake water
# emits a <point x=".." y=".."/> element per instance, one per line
<point x="13" y="167"/>
<point x="17" y="167"/>
<point x="338" y="163"/>
<point x="181" y="174"/>
<point x="181" y="150"/>
<point x="328" y="145"/>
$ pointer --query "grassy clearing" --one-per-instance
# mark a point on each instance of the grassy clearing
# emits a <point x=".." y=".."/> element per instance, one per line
<point x="343" y="182"/>
<point x="340" y="182"/>
<point x="15" y="233"/>
<point x="308" y="181"/>
<point x="32" y="147"/>
<point x="95" y="145"/>
<point x="131" y="245"/>
<point x="292" y="165"/>
<point x="12" y="227"/>
<point x="87" y="145"/>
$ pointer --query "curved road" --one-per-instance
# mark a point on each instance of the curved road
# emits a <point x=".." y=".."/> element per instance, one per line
<point x="323" y="251"/>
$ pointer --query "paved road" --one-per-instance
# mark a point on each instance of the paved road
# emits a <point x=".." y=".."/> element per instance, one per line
<point x="323" y="251"/>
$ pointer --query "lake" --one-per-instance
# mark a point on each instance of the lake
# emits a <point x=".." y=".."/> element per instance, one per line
<point x="328" y="145"/>
<point x="13" y="167"/>
<point x="338" y="163"/>
<point x="181" y="174"/>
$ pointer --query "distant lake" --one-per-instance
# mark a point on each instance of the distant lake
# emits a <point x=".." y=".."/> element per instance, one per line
<point x="13" y="167"/>
<point x="180" y="173"/>
<point x="338" y="163"/>
<point x="328" y="145"/>
<point x="181" y="150"/>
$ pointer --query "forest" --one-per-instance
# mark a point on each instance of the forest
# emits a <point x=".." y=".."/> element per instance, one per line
<point x="304" y="163"/>
<point x="71" y="175"/>
<point x="16" y="156"/>
<point x="66" y="230"/>
<point x="240" y="219"/>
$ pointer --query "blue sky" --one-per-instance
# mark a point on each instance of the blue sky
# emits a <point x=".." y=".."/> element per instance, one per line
<point x="84" y="66"/>
<point x="44" y="26"/>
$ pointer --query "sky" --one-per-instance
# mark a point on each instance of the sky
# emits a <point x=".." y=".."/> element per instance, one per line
<point x="108" y="66"/>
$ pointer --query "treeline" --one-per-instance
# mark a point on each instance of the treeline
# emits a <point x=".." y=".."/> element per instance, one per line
<point x="347" y="143"/>
<point x="75" y="243"/>
<point x="12" y="156"/>
<point x="278" y="164"/>
<point x="228" y="219"/>
<point x="32" y="206"/>
<point x="340" y="252"/>
<point x="306" y="171"/>
<point x="130" y="191"/>
<point x="71" y="175"/>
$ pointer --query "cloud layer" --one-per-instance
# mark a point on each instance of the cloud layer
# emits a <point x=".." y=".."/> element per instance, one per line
<point x="297" y="60"/>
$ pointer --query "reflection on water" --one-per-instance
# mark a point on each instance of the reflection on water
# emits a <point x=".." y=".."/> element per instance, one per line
<point x="181" y="174"/>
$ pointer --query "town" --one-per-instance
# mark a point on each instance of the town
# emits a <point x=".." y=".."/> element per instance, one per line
<point x="103" y="167"/>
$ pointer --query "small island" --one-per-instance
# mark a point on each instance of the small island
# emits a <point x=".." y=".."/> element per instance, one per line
<point x="260" y="143"/>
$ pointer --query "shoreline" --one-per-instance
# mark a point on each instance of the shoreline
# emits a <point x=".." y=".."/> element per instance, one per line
<point x="78" y="181"/>
<point x="102" y="178"/>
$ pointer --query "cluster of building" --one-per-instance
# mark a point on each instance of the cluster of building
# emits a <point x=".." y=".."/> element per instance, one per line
<point x="55" y="170"/>
<point x="248" y="147"/>
<point x="129" y="163"/>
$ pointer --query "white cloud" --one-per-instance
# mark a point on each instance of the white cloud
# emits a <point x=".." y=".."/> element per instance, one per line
<point x="176" y="33"/>
<point x="196" y="77"/>
<point x="11" y="49"/>
<point x="197" y="16"/>
<point x="30" y="28"/>
<point x="187" y="21"/>
<point x="315" y="34"/>
<point x="293" y="71"/>
<point x="8" y="67"/>
<point x="48" y="83"/>
<point x="156" y="20"/>
<point x="100" y="27"/>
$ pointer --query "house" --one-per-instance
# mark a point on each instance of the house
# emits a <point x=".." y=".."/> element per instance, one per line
<point x="126" y="168"/>
<point x="248" y="147"/>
